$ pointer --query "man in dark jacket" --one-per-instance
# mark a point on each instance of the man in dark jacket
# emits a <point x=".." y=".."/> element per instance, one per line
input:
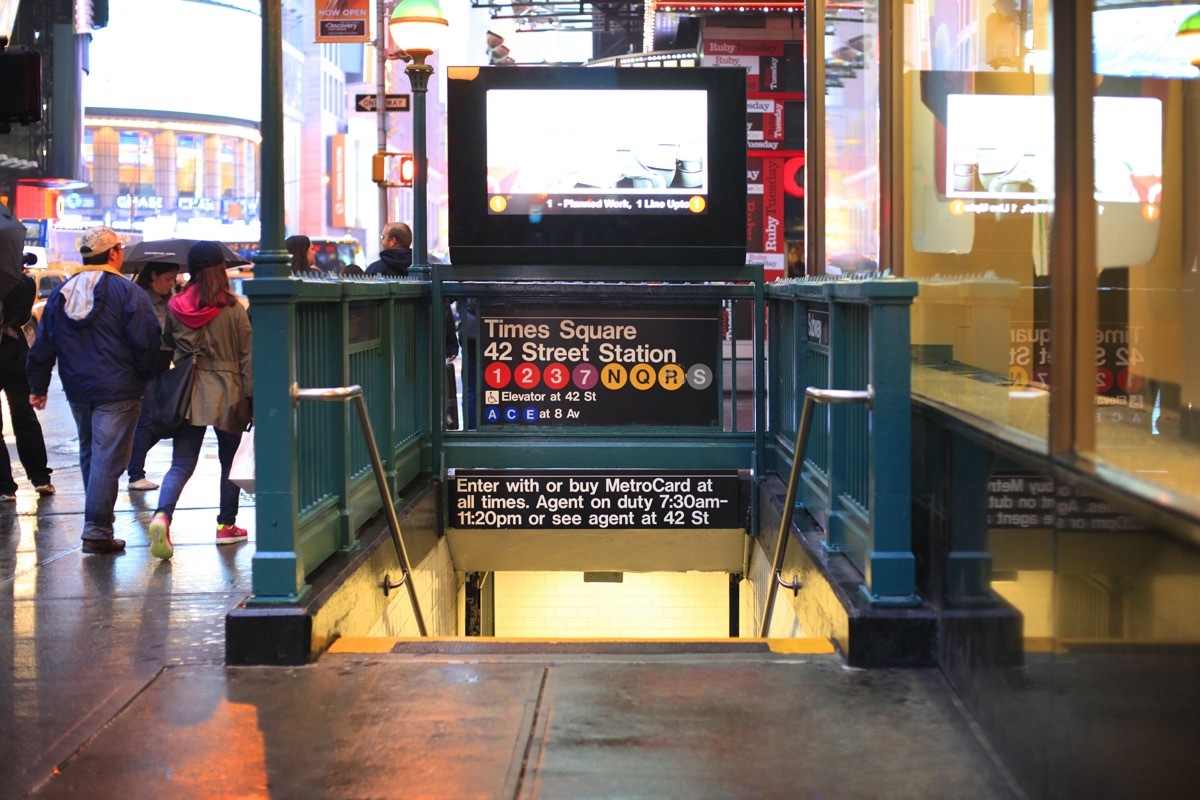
<point x="31" y="445"/>
<point x="102" y="330"/>
<point x="395" y="251"/>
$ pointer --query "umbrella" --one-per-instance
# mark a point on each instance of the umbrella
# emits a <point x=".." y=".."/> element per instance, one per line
<point x="173" y="251"/>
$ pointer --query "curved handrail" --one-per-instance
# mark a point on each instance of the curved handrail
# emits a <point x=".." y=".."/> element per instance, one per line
<point x="355" y="393"/>
<point x="812" y="396"/>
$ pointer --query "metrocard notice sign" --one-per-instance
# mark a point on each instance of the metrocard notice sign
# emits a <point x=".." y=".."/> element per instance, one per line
<point x="496" y="499"/>
<point x="547" y="366"/>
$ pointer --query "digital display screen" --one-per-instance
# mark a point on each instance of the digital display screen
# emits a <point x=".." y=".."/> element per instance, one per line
<point x="598" y="166"/>
<point x="563" y="151"/>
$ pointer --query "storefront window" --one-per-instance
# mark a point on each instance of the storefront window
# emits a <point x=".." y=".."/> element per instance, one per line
<point x="1147" y="247"/>
<point x="187" y="160"/>
<point x="978" y="174"/>
<point x="135" y="162"/>
<point x="852" y="139"/>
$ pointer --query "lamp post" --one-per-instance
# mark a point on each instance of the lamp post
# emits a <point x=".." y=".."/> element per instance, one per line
<point x="385" y="10"/>
<point x="417" y="28"/>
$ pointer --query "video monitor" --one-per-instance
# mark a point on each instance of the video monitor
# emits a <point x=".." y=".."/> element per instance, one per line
<point x="578" y="166"/>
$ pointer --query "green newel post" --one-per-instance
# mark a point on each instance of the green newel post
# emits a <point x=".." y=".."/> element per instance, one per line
<point x="276" y="573"/>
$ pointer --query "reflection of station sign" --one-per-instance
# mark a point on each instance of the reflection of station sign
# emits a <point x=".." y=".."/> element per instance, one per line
<point x="604" y="499"/>
<point x="1025" y="500"/>
<point x="544" y="365"/>
<point x="1118" y="357"/>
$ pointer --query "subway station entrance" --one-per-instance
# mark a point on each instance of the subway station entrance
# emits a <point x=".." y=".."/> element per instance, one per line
<point x="622" y="412"/>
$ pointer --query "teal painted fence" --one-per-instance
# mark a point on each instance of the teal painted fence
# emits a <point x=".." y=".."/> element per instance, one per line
<point x="856" y="481"/>
<point x="315" y="489"/>
<point x="314" y="481"/>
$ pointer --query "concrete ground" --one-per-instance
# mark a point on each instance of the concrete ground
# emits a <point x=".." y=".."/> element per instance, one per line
<point x="112" y="684"/>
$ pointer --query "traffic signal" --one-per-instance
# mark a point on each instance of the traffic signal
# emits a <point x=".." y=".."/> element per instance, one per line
<point x="20" y="86"/>
<point x="405" y="169"/>
<point x="408" y="169"/>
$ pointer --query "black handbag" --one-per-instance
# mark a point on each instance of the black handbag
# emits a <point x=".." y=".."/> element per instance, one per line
<point x="173" y="397"/>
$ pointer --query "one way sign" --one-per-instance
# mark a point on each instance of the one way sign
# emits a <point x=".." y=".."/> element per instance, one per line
<point x="392" y="102"/>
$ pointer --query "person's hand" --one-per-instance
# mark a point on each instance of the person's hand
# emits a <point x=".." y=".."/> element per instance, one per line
<point x="38" y="401"/>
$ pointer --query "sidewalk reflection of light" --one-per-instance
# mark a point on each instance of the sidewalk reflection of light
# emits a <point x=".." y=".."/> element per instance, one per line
<point x="25" y="564"/>
<point x="25" y="560"/>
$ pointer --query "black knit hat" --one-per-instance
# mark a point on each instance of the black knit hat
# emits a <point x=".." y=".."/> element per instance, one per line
<point x="205" y="254"/>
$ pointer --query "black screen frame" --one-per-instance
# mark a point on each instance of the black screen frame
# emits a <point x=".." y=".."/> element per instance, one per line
<point x="717" y="237"/>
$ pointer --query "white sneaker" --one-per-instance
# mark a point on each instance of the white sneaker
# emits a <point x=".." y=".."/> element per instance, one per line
<point x="142" y="485"/>
<point x="45" y="489"/>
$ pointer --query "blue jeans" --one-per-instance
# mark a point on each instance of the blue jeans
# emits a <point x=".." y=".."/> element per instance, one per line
<point x="143" y="437"/>
<point x="105" y="439"/>
<point x="185" y="455"/>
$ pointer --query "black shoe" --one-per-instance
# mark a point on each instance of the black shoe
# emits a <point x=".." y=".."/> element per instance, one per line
<point x="103" y="546"/>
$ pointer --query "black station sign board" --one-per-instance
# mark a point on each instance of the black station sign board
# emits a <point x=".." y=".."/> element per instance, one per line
<point x="553" y="366"/>
<point x="594" y="499"/>
<point x="818" y="327"/>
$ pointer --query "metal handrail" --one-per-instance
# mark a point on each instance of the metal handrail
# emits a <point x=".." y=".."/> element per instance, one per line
<point x="812" y="396"/>
<point x="355" y="393"/>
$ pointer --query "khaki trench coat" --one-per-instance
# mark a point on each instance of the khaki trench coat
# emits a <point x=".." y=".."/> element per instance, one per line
<point x="224" y="378"/>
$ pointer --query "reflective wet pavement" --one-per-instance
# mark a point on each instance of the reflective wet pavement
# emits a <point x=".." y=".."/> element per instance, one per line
<point x="81" y="636"/>
<point x="113" y="685"/>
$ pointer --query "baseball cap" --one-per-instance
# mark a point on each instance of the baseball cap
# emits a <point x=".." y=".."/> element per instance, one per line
<point x="205" y="254"/>
<point x="100" y="239"/>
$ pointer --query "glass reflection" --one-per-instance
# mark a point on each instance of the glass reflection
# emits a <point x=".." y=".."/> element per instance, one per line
<point x="1148" y="249"/>
<point x="979" y="182"/>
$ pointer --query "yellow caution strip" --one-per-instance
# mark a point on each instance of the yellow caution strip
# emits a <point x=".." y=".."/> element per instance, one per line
<point x="807" y="647"/>
<point x="364" y="645"/>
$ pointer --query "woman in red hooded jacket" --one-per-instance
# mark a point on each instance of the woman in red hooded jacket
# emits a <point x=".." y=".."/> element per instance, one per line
<point x="207" y="320"/>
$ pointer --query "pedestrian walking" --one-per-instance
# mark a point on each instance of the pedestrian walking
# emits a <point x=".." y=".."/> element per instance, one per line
<point x="14" y="382"/>
<point x="395" y="251"/>
<point x="101" y="330"/>
<point x="205" y="319"/>
<point x="468" y="334"/>
<point x="157" y="279"/>
<point x="303" y="252"/>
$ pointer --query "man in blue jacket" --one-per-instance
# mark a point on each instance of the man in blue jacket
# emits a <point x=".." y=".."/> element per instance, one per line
<point x="103" y="331"/>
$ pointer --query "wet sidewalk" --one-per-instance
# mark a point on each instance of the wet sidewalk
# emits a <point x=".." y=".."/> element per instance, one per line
<point x="113" y="685"/>
<point x="83" y="636"/>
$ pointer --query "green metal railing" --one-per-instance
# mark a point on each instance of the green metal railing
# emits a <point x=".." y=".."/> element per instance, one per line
<point x="315" y="487"/>
<point x="314" y="474"/>
<point x="848" y="335"/>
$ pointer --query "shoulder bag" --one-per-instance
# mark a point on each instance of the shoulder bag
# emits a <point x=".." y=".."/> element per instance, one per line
<point x="173" y="396"/>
